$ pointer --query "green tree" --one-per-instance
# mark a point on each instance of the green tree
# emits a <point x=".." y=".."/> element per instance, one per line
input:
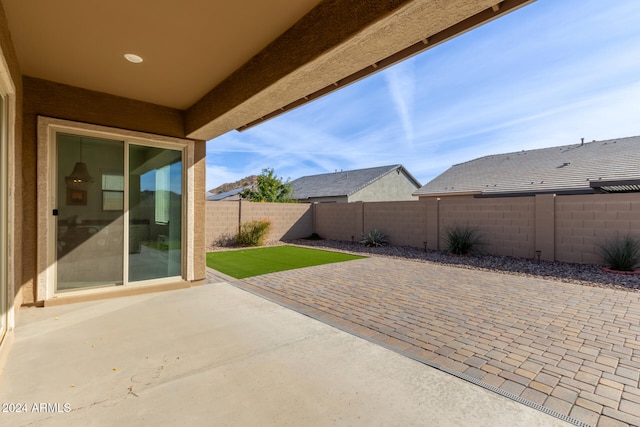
<point x="270" y="188"/>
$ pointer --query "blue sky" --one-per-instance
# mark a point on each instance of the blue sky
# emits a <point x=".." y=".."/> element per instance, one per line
<point x="545" y="75"/>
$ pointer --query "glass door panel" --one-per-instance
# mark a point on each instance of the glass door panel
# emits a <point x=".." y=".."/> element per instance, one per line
<point x="90" y="212"/>
<point x="155" y="213"/>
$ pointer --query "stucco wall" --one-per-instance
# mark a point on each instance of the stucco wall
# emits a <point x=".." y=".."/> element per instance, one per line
<point x="60" y="101"/>
<point x="15" y="182"/>
<point x="392" y="186"/>
<point x="199" y="214"/>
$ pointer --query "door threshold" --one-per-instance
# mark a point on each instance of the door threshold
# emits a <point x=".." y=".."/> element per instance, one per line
<point x="62" y="299"/>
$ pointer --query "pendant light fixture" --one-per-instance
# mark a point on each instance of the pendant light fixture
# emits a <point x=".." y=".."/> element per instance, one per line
<point x="79" y="178"/>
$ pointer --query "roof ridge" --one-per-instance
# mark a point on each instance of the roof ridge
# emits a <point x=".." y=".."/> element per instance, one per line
<point x="351" y="170"/>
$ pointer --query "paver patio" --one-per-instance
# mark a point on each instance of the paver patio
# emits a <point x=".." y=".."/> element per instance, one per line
<point x="570" y="348"/>
<point x="215" y="355"/>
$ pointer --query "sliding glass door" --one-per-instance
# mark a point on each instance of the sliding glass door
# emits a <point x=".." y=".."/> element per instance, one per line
<point x="90" y="212"/>
<point x="155" y="213"/>
<point x="119" y="212"/>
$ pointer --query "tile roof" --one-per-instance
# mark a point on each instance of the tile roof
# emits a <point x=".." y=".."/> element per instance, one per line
<point x="570" y="168"/>
<point x="342" y="183"/>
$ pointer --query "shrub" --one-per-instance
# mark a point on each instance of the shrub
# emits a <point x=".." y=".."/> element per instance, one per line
<point x="463" y="240"/>
<point x="622" y="253"/>
<point x="252" y="233"/>
<point x="374" y="238"/>
<point x="226" y="240"/>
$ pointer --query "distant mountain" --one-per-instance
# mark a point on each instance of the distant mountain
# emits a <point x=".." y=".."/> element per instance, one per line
<point x="244" y="182"/>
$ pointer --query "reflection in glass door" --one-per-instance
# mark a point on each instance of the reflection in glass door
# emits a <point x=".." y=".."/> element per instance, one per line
<point x="90" y="212"/>
<point x="155" y="213"/>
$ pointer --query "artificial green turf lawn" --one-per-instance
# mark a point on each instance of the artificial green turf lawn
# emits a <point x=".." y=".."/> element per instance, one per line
<point x="254" y="262"/>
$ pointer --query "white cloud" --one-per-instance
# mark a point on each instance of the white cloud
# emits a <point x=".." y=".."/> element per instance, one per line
<point x="547" y="74"/>
<point x="401" y="82"/>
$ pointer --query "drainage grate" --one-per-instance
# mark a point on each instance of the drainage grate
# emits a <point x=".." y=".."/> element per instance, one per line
<point x="462" y="376"/>
<point x="500" y="392"/>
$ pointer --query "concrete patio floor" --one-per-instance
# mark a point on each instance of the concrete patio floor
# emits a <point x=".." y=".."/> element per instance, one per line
<point x="573" y="349"/>
<point x="217" y="355"/>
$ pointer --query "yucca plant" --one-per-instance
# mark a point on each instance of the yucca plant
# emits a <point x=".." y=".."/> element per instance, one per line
<point x="374" y="238"/>
<point x="621" y="253"/>
<point x="463" y="240"/>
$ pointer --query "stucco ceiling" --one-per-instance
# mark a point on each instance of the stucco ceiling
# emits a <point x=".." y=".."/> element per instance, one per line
<point x="188" y="46"/>
<point x="229" y="64"/>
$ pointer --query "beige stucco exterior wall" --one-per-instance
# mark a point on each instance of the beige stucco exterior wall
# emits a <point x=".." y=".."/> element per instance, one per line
<point x="43" y="98"/>
<point x="288" y="220"/>
<point x="199" y="211"/>
<point x="583" y="222"/>
<point x="12" y="78"/>
<point x="393" y="186"/>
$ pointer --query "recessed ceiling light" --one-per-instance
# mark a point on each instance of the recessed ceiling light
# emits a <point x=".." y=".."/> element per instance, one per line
<point x="131" y="57"/>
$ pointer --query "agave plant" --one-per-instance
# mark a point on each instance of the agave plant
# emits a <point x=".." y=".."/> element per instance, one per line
<point x="463" y="240"/>
<point x="622" y="253"/>
<point x="374" y="238"/>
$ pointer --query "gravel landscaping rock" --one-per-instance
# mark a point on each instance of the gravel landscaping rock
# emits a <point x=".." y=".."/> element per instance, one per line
<point x="582" y="274"/>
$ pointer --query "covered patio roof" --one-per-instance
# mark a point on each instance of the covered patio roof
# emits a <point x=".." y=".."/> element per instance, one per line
<point x="230" y="65"/>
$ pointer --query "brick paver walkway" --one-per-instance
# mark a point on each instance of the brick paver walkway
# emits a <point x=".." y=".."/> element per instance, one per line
<point x="570" y="348"/>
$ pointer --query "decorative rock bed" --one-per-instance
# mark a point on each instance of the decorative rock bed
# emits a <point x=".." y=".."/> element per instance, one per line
<point x="582" y="274"/>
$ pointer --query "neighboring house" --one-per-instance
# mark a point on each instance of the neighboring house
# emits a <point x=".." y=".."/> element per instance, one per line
<point x="610" y="166"/>
<point x="102" y="158"/>
<point x="384" y="183"/>
<point x="226" y="196"/>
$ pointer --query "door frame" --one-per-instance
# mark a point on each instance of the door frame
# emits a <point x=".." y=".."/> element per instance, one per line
<point x="46" y="261"/>
<point x="4" y="223"/>
<point x="8" y="196"/>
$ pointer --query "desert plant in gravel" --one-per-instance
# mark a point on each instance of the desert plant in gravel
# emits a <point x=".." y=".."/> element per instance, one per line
<point x="374" y="238"/>
<point x="621" y="253"/>
<point x="463" y="240"/>
<point x="253" y="233"/>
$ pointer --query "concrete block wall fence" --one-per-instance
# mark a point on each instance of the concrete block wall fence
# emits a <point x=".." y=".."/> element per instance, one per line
<point x="581" y="222"/>
<point x="288" y="220"/>
<point x="563" y="228"/>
